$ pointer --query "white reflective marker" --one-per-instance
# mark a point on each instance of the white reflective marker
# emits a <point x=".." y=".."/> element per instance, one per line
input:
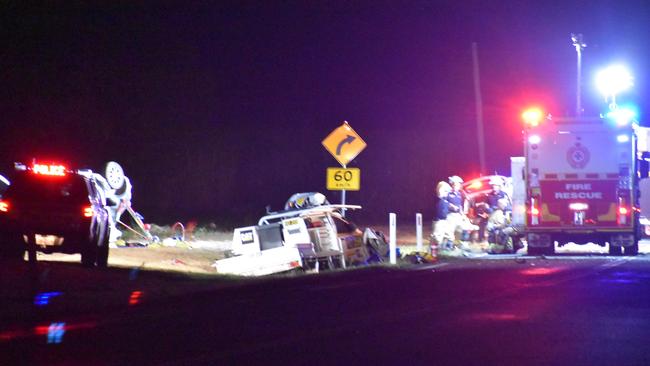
<point x="392" y="243"/>
<point x="418" y="232"/>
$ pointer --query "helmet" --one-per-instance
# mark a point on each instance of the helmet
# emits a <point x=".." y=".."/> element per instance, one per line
<point x="455" y="179"/>
<point x="443" y="189"/>
<point x="496" y="181"/>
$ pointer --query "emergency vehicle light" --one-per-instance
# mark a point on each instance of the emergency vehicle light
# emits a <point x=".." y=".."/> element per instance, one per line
<point x="4" y="206"/>
<point x="533" y="116"/>
<point x="88" y="211"/>
<point x="534" y="211"/>
<point x="622" y="210"/>
<point x="622" y="138"/>
<point x="534" y="139"/>
<point x="49" y="169"/>
<point x="476" y="185"/>
<point x="578" y="206"/>
<point x="621" y="116"/>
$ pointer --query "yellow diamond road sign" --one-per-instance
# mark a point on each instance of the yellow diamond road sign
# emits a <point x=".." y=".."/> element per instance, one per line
<point x="344" y="144"/>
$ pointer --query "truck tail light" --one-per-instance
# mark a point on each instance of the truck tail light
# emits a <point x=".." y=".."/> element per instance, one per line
<point x="87" y="211"/>
<point x="4" y="206"/>
<point x="622" y="212"/>
<point x="534" y="212"/>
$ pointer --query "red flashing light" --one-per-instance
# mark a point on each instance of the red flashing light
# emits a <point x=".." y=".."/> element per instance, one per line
<point x="533" y="116"/>
<point x="88" y="211"/>
<point x="534" y="211"/>
<point x="622" y="210"/>
<point x="476" y="185"/>
<point x="49" y="169"/>
<point x="4" y="206"/>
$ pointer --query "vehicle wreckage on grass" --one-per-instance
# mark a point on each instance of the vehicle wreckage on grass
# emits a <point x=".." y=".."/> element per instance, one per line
<point x="310" y="234"/>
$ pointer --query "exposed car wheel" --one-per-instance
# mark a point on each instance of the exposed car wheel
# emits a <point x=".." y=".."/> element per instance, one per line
<point x="114" y="175"/>
<point x="614" y="250"/>
<point x="102" y="249"/>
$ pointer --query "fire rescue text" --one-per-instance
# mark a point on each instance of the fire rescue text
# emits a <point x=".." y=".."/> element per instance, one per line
<point x="578" y="190"/>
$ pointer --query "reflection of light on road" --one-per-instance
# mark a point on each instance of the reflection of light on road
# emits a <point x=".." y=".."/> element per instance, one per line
<point x="56" y="330"/>
<point x="55" y="333"/>
<point x="539" y="271"/>
<point x="135" y="297"/>
<point x="625" y="277"/>
<point x="498" y="316"/>
<point x="11" y="334"/>
<point x="43" y="298"/>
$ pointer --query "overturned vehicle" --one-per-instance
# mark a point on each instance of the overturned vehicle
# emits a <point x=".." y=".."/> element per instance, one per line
<point x="310" y="234"/>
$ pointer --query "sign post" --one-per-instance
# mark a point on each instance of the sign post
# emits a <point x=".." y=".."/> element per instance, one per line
<point x="344" y="144"/>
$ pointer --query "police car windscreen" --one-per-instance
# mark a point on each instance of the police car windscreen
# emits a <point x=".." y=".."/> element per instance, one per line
<point x="30" y="189"/>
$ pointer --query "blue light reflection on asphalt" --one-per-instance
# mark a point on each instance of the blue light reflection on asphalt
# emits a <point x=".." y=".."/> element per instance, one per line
<point x="43" y="298"/>
<point x="55" y="333"/>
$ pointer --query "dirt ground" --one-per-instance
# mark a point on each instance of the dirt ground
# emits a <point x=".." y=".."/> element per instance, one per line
<point x="198" y="255"/>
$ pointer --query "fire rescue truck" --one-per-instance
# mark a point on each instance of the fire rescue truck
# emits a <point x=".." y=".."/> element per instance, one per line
<point x="580" y="181"/>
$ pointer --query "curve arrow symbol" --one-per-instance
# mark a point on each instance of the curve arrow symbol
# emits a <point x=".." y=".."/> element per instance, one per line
<point x="347" y="140"/>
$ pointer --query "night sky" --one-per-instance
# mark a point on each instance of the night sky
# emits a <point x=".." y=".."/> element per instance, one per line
<point x="216" y="109"/>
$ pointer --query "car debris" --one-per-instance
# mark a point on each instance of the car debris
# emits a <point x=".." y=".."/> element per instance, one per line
<point x="310" y="235"/>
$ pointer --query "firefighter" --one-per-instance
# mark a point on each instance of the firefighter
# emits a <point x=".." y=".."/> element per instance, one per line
<point x="441" y="233"/>
<point x="496" y="194"/>
<point x="481" y="211"/>
<point x="457" y="209"/>
<point x="499" y="229"/>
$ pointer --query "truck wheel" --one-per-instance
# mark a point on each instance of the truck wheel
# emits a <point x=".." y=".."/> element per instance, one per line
<point x="613" y="250"/>
<point x="89" y="252"/>
<point x="541" y="250"/>
<point x="12" y="248"/>
<point x="102" y="249"/>
<point x="633" y="250"/>
<point x="534" y="251"/>
<point x="31" y="249"/>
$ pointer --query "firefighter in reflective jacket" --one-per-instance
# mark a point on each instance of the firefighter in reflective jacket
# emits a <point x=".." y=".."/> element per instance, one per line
<point x="457" y="207"/>
<point x="496" y="195"/>
<point x="442" y="237"/>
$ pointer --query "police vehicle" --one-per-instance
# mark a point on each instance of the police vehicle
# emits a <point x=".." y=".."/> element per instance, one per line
<point x="50" y="208"/>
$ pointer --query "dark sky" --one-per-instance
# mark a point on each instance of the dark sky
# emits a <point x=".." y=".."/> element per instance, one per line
<point x="216" y="109"/>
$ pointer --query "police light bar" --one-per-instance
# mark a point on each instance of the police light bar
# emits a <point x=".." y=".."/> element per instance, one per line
<point x="49" y="169"/>
<point x="578" y="206"/>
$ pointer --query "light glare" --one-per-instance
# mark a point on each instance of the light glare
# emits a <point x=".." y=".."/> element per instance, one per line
<point x="613" y="80"/>
<point x="534" y="139"/>
<point x="532" y="116"/>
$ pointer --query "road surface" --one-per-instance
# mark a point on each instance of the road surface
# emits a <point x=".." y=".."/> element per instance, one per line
<point x="557" y="311"/>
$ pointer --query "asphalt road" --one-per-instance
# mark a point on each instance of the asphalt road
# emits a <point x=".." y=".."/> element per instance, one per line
<point x="557" y="311"/>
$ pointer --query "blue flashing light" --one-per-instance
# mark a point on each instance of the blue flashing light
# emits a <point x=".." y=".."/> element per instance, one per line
<point x="622" y="138"/>
<point x="622" y="116"/>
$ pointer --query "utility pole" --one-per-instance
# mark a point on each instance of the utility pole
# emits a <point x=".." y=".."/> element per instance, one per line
<point x="576" y="39"/>
<point x="479" y="109"/>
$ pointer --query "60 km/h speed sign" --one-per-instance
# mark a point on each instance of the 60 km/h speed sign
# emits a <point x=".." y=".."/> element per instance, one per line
<point x="341" y="179"/>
